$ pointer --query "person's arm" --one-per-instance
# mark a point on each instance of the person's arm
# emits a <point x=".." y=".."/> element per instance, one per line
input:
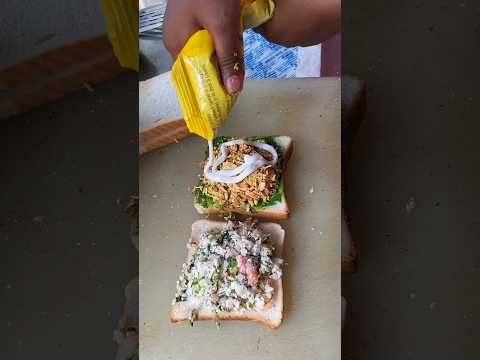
<point x="294" y="22"/>
<point x="302" y="22"/>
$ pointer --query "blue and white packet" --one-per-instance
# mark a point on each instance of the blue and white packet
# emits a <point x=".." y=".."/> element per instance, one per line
<point x="264" y="59"/>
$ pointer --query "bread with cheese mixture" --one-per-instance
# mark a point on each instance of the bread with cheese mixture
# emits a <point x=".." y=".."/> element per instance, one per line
<point x="272" y="312"/>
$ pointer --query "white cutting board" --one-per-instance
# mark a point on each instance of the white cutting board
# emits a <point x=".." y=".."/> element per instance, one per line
<point x="309" y="111"/>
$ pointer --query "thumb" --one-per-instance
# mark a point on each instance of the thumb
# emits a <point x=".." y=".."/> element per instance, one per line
<point x="230" y="59"/>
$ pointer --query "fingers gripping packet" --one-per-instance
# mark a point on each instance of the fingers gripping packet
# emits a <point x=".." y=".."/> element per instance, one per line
<point x="204" y="101"/>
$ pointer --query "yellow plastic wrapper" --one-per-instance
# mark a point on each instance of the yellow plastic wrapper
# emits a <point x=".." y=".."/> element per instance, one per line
<point x="204" y="101"/>
<point x="122" y="26"/>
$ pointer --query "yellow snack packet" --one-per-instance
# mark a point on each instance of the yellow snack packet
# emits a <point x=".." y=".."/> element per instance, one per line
<point x="256" y="12"/>
<point x="204" y="101"/>
<point x="122" y="26"/>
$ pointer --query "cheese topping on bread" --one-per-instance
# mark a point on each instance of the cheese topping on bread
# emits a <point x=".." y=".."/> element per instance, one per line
<point x="230" y="268"/>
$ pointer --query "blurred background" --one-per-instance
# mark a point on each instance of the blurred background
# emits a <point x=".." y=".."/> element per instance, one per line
<point x="68" y="129"/>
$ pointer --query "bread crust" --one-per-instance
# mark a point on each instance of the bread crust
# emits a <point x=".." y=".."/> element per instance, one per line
<point x="275" y="215"/>
<point x="229" y="316"/>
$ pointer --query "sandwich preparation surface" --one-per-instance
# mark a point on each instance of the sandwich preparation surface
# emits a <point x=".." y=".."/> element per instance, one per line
<point x="307" y="110"/>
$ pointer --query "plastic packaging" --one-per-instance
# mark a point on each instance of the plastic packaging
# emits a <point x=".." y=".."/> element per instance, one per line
<point x="122" y="25"/>
<point x="204" y="101"/>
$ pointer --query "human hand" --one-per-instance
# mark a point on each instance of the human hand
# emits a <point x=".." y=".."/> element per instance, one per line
<point x="222" y="19"/>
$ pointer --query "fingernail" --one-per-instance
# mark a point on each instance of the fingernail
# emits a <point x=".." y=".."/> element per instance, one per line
<point x="233" y="84"/>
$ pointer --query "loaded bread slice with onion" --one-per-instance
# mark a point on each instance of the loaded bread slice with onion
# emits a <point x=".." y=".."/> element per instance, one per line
<point x="245" y="176"/>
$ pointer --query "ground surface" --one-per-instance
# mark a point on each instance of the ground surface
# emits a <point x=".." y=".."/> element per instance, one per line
<point x="31" y="27"/>
<point x="416" y="294"/>
<point x="66" y="254"/>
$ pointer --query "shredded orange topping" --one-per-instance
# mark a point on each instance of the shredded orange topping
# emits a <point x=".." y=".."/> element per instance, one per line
<point x="259" y="185"/>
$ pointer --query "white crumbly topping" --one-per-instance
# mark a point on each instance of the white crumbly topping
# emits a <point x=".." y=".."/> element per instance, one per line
<point x="231" y="269"/>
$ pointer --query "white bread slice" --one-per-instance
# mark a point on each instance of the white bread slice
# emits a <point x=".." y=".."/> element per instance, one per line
<point x="271" y="315"/>
<point x="160" y="117"/>
<point x="277" y="211"/>
<point x="158" y="102"/>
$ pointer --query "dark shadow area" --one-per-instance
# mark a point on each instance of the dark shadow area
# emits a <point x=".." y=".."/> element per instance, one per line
<point x="67" y="255"/>
<point x="154" y="58"/>
<point x="414" y="181"/>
